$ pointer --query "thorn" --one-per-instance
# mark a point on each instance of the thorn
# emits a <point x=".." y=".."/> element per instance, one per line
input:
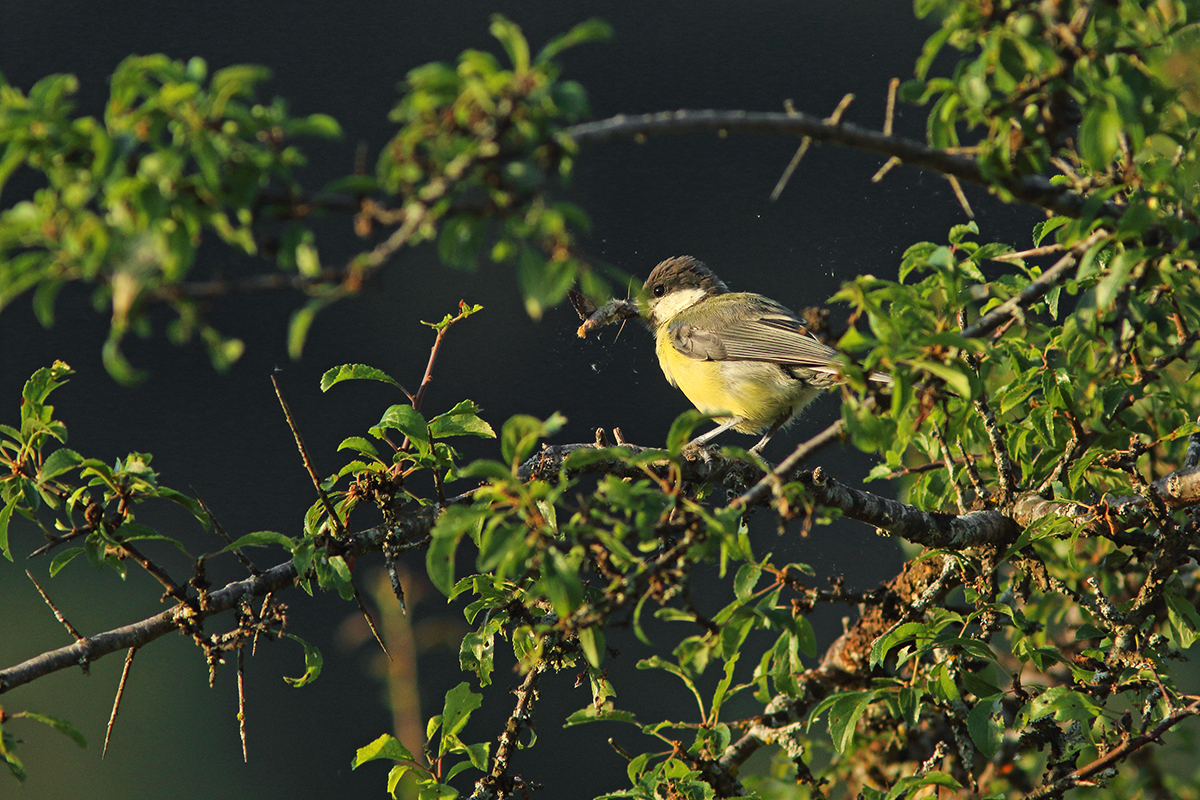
<point x="893" y="85"/>
<point x="58" y="614"/>
<point x="241" y="683"/>
<point x="885" y="169"/>
<point x="112" y="718"/>
<point x="962" y="198"/>
<point x="370" y="623"/>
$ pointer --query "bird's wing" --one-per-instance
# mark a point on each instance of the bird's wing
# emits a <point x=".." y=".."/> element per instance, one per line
<point x="775" y="337"/>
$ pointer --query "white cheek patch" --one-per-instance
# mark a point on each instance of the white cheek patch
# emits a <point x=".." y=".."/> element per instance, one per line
<point x="667" y="307"/>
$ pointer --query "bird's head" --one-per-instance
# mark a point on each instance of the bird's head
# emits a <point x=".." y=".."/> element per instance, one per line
<point x="676" y="285"/>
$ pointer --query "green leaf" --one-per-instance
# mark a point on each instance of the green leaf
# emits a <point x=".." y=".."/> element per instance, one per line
<point x="722" y="691"/>
<point x="62" y="559"/>
<point x="509" y="34"/>
<point x="355" y="372"/>
<point x="681" y="429"/>
<point x="1117" y="276"/>
<point x="955" y="376"/>
<point x="312" y="664"/>
<point x="358" y="444"/>
<point x="60" y="725"/>
<point x="462" y="420"/>
<point x="1099" y="135"/>
<point x="743" y="583"/>
<point x="321" y="125"/>
<point x="460" y="703"/>
<point x="395" y="774"/>
<point x="301" y="322"/>
<point x="592" y="30"/>
<point x="907" y="786"/>
<point x="593" y="714"/>
<point x="520" y="435"/>
<point x="844" y="712"/>
<point x="117" y="365"/>
<point x="735" y="631"/>
<point x="1182" y="618"/>
<point x="386" y="746"/>
<point x="407" y="420"/>
<point x="5" y="514"/>
<point x="1044" y="228"/>
<point x="591" y="641"/>
<point x="884" y="644"/>
<point x="450" y="527"/>
<point x="261" y="539"/>
<point x="986" y="725"/>
<point x="39" y="386"/>
<point x="57" y="463"/>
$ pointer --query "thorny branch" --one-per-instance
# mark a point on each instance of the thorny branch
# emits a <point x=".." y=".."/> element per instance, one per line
<point x="1081" y="776"/>
<point x="498" y="784"/>
<point x="1177" y="490"/>
<point x="413" y="529"/>
<point x="1033" y="189"/>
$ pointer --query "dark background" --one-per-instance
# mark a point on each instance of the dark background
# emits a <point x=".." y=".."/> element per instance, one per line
<point x="224" y="436"/>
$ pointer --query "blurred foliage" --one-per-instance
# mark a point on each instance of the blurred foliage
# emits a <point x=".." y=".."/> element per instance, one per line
<point x="123" y="204"/>
<point x="1036" y="662"/>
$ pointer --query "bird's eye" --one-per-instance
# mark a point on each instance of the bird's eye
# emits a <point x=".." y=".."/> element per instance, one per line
<point x="659" y="290"/>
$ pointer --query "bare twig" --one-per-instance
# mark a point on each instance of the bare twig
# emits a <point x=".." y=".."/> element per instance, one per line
<point x="805" y="143"/>
<point x="174" y="590"/>
<point x="833" y="119"/>
<point x="960" y="196"/>
<point x="1033" y="189"/>
<point x="1070" y="453"/>
<point x="1044" y="250"/>
<point x="1034" y="291"/>
<point x="237" y="551"/>
<point x="931" y="529"/>
<point x="57" y="614"/>
<point x="112" y="718"/>
<point x="885" y="169"/>
<point x="370" y="622"/>
<point x="1004" y="466"/>
<point x="339" y="528"/>
<point x="759" y="491"/>
<point x="948" y="460"/>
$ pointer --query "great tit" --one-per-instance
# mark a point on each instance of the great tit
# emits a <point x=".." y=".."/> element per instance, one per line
<point x="741" y="357"/>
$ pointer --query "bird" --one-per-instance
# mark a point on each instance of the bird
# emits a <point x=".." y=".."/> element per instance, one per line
<point x="743" y="358"/>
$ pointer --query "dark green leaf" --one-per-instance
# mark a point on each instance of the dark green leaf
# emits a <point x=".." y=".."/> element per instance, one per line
<point x="62" y="559"/>
<point x="986" y="725"/>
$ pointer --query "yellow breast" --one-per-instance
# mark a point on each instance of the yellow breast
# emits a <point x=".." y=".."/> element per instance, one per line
<point x="723" y="389"/>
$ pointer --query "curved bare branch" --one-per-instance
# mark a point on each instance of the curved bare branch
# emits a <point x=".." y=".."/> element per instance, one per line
<point x="1033" y="189"/>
